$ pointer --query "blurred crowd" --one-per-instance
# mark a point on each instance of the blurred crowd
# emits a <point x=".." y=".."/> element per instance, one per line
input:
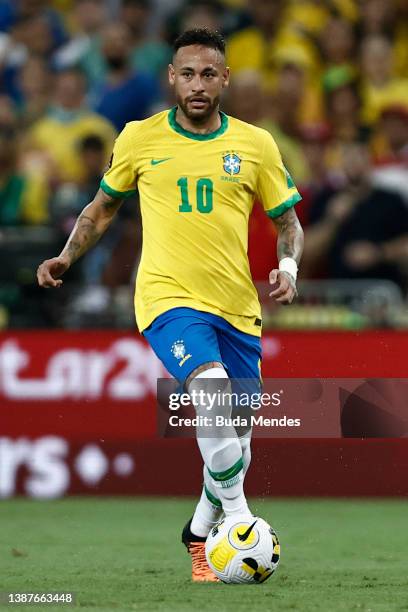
<point x="328" y="79"/>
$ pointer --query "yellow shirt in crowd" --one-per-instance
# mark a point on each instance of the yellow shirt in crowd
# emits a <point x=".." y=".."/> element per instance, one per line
<point x="59" y="140"/>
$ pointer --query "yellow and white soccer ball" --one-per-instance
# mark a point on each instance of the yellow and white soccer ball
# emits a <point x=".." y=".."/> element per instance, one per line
<point x="242" y="549"/>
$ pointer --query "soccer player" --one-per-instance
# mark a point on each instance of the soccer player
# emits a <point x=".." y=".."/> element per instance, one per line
<point x="198" y="172"/>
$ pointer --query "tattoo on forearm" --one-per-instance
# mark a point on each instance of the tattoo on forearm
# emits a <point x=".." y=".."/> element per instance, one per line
<point x="112" y="204"/>
<point x="84" y="235"/>
<point x="290" y="235"/>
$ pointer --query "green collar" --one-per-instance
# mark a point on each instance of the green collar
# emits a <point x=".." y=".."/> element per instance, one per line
<point x="180" y="130"/>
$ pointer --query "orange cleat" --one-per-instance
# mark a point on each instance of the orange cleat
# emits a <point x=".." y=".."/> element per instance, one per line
<point x="195" y="545"/>
<point x="200" y="571"/>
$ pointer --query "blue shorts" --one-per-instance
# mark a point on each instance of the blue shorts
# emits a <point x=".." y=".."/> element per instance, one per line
<point x="184" y="339"/>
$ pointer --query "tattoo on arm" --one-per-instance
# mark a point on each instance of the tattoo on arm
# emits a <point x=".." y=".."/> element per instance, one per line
<point x="83" y="236"/>
<point x="111" y="204"/>
<point x="91" y="224"/>
<point x="290" y="235"/>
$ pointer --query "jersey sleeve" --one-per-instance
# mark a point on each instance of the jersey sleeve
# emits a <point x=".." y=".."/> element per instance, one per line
<point x="275" y="187"/>
<point x="119" y="181"/>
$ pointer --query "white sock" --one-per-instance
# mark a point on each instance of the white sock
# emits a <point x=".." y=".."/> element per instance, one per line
<point x="208" y="511"/>
<point x="221" y="449"/>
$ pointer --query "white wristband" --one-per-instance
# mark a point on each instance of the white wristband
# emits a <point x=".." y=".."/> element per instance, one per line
<point x="287" y="264"/>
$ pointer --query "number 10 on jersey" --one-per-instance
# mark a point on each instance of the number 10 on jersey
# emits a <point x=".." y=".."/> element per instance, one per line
<point x="204" y="195"/>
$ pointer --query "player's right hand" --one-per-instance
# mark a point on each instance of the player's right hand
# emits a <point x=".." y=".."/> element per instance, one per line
<point x="50" y="270"/>
<point x="283" y="285"/>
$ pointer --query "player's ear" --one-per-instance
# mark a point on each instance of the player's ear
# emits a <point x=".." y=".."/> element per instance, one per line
<point x="226" y="77"/>
<point x="172" y="74"/>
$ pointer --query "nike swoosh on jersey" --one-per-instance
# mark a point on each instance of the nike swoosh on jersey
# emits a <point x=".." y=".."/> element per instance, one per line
<point x="154" y="162"/>
<point x="244" y="536"/>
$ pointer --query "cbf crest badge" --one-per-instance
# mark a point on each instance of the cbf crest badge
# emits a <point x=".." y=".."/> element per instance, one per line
<point x="232" y="163"/>
<point x="178" y="349"/>
<point x="179" y="352"/>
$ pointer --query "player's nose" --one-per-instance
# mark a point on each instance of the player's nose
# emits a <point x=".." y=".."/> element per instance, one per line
<point x="197" y="85"/>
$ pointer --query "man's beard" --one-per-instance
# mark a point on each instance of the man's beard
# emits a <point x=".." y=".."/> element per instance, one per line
<point x="198" y="116"/>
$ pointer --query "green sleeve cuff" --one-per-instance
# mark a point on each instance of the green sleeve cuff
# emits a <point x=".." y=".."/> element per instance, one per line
<point x="279" y="210"/>
<point x="113" y="192"/>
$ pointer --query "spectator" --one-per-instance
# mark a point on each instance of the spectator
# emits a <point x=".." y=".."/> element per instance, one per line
<point x="393" y="131"/>
<point x="246" y="97"/>
<point x="31" y="36"/>
<point x="124" y="95"/>
<point x="12" y="11"/>
<point x="55" y="137"/>
<point x="70" y="198"/>
<point x="146" y="51"/>
<point x="255" y="47"/>
<point x="343" y="112"/>
<point x="376" y="17"/>
<point x="378" y="82"/>
<point x="228" y="15"/>
<point x="310" y="103"/>
<point x="201" y="14"/>
<point x="316" y="139"/>
<point x="359" y="232"/>
<point x="8" y="115"/>
<point x="34" y="85"/>
<point x="390" y="146"/>
<point x="283" y="122"/>
<point x="342" y="103"/>
<point x="83" y="49"/>
<point x="23" y="197"/>
<point x="337" y="43"/>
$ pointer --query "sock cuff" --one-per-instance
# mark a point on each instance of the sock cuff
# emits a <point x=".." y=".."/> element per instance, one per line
<point x="229" y="473"/>
<point x="211" y="498"/>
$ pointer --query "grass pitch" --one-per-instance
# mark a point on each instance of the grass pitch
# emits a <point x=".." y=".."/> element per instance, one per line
<point x="125" y="554"/>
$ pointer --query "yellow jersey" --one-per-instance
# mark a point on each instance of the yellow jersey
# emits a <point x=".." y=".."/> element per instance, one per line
<point x="196" y="194"/>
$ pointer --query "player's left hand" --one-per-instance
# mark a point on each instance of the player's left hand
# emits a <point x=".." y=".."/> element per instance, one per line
<point x="284" y="286"/>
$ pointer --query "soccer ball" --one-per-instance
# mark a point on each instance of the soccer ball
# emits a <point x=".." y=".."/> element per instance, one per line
<point x="242" y="549"/>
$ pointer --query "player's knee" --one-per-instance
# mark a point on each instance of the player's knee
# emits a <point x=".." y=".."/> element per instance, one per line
<point x="207" y="371"/>
<point x="210" y="392"/>
<point x="214" y="377"/>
